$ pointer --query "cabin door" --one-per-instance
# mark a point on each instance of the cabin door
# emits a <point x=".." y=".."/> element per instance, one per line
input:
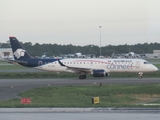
<point x="40" y="63"/>
<point x="137" y="64"/>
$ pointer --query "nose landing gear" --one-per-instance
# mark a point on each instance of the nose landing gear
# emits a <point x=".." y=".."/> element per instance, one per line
<point x="140" y="75"/>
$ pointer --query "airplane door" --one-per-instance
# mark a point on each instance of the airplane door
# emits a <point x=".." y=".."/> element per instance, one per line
<point x="40" y="63"/>
<point x="137" y="64"/>
<point x="91" y="63"/>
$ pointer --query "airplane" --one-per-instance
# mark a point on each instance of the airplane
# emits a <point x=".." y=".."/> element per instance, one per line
<point x="132" y="55"/>
<point x="94" y="66"/>
<point x="126" y="55"/>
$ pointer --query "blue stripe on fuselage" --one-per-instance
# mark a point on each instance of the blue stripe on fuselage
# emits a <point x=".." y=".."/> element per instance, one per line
<point x="35" y="62"/>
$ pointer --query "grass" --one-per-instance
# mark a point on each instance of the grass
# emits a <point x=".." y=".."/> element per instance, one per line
<point x="13" y="67"/>
<point x="3" y="62"/>
<point x="35" y="75"/>
<point x="80" y="96"/>
<point x="153" y="59"/>
<point x="157" y="65"/>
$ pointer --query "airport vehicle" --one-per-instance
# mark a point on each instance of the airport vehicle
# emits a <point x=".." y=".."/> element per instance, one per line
<point x="96" y="67"/>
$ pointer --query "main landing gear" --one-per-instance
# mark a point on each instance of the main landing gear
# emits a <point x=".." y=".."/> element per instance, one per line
<point x="140" y="75"/>
<point x="82" y="76"/>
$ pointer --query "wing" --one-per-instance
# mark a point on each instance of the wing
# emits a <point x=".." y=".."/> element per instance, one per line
<point x="78" y="69"/>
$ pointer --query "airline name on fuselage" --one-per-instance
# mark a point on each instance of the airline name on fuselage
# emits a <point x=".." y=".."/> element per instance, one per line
<point x="119" y="67"/>
<point x="116" y="66"/>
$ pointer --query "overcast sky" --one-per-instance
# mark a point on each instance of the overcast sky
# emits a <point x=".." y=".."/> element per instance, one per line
<point x="77" y="21"/>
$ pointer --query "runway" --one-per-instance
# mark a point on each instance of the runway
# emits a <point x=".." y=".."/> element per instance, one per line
<point x="52" y="115"/>
<point x="9" y="88"/>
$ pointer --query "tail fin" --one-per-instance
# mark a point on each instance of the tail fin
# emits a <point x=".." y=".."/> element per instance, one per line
<point x="18" y="50"/>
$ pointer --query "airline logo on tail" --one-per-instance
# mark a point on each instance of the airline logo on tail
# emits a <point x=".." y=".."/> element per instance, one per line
<point x="19" y="53"/>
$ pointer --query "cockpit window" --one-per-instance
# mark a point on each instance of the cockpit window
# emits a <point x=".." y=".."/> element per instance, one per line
<point x="146" y="62"/>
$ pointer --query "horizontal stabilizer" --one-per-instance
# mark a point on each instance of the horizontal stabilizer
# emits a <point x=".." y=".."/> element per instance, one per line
<point x="16" y="62"/>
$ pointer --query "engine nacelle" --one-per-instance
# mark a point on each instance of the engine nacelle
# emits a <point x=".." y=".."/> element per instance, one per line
<point x="98" y="73"/>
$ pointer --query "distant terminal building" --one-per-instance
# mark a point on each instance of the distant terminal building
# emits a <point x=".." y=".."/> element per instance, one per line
<point x="156" y="53"/>
<point x="6" y="53"/>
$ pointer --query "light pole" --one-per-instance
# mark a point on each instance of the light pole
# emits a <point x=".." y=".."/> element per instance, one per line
<point x="100" y="40"/>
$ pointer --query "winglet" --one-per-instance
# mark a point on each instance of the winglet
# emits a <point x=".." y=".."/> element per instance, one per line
<point x="60" y="63"/>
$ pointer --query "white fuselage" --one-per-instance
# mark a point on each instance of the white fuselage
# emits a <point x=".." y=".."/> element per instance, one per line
<point x="108" y="65"/>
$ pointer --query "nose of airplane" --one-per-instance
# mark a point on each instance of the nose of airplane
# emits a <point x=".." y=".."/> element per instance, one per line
<point x="155" y="68"/>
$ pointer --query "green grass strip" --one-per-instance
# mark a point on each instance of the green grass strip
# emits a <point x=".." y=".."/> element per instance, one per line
<point x="80" y="96"/>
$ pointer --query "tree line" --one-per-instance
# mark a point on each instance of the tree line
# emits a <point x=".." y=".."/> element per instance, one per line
<point x="56" y="50"/>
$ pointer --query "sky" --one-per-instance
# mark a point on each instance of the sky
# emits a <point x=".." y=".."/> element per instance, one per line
<point x="77" y="22"/>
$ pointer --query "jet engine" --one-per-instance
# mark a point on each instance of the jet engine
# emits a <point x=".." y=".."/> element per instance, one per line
<point x="99" y="73"/>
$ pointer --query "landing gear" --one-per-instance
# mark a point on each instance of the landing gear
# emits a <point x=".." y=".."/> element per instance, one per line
<point x="82" y="76"/>
<point x="140" y="75"/>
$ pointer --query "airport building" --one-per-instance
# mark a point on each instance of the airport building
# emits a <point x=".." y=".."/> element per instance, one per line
<point x="155" y="54"/>
<point x="6" y="53"/>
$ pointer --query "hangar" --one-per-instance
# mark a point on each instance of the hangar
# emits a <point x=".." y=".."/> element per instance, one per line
<point x="6" y="53"/>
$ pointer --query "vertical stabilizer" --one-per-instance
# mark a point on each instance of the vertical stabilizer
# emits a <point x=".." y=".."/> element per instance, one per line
<point x="18" y="50"/>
